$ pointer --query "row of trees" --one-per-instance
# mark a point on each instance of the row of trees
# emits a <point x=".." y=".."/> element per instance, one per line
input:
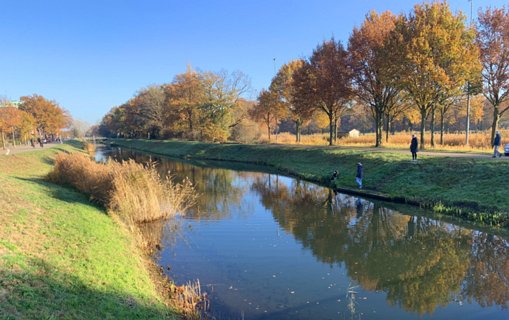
<point x="415" y="69"/>
<point x="33" y="116"/>
<point x="195" y="105"/>
<point x="395" y="66"/>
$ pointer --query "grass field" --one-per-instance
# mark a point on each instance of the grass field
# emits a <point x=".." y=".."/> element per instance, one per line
<point x="62" y="257"/>
<point x="474" y="188"/>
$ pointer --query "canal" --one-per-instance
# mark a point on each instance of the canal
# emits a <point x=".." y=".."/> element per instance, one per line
<point x="266" y="246"/>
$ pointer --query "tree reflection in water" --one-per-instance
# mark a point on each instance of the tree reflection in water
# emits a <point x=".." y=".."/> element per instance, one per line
<point x="419" y="262"/>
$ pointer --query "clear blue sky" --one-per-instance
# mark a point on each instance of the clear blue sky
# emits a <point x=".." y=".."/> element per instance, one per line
<point x="91" y="55"/>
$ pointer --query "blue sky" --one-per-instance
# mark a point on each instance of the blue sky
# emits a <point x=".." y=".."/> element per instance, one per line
<point x="92" y="55"/>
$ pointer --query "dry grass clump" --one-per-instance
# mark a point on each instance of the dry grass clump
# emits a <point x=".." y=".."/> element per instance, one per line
<point x="87" y="176"/>
<point x="132" y="191"/>
<point x="139" y="193"/>
<point x="89" y="147"/>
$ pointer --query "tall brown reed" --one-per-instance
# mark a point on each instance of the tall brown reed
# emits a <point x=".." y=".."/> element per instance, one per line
<point x="130" y="190"/>
<point x="139" y="193"/>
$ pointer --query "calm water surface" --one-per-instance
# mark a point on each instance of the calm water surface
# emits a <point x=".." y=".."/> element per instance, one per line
<point x="271" y="247"/>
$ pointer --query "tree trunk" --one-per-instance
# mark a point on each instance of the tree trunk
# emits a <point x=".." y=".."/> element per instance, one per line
<point x="13" y="138"/>
<point x="268" y="129"/>
<point x="3" y="140"/>
<point x="331" y="128"/>
<point x="494" y="126"/>
<point x="423" y="128"/>
<point x="442" y="123"/>
<point x="387" y="128"/>
<point x="277" y="128"/>
<point x="377" y="138"/>
<point x="378" y="128"/>
<point x="336" y="127"/>
<point x="297" y="130"/>
<point x="467" y="127"/>
<point x="432" y="127"/>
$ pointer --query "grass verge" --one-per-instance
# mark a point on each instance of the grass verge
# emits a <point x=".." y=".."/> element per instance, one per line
<point x="62" y="257"/>
<point x="470" y="188"/>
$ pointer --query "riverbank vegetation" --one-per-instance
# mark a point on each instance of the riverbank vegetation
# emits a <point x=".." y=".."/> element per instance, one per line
<point x="61" y="256"/>
<point x="471" y="188"/>
<point x="132" y="191"/>
<point x="386" y="80"/>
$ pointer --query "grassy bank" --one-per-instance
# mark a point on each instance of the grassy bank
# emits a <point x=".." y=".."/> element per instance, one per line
<point x="472" y="188"/>
<point x="62" y="257"/>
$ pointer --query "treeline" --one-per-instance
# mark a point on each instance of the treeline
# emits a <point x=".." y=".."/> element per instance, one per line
<point x="32" y="117"/>
<point x="196" y="105"/>
<point x="424" y="69"/>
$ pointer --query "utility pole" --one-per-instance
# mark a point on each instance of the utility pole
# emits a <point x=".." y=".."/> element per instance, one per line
<point x="468" y="90"/>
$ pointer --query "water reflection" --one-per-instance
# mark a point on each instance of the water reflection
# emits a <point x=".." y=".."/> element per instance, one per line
<point x="381" y="263"/>
<point x="419" y="262"/>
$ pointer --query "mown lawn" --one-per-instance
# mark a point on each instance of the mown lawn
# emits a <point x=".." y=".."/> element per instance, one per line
<point x="473" y="184"/>
<point x="62" y="257"/>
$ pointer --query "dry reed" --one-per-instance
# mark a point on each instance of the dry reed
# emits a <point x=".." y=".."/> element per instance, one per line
<point x="130" y="190"/>
<point x="89" y="147"/>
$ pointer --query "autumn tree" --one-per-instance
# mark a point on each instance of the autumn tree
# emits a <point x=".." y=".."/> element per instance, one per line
<point x="10" y="119"/>
<point x="267" y="110"/>
<point x="434" y="56"/>
<point x="187" y="93"/>
<point x="49" y="117"/>
<point x="222" y="94"/>
<point x="284" y="87"/>
<point x="205" y="101"/>
<point x="325" y="82"/>
<point x="369" y="59"/>
<point x="493" y="41"/>
<point x="149" y="105"/>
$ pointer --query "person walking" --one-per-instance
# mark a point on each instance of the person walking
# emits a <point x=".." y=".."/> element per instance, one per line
<point x="496" y="144"/>
<point x="360" y="174"/>
<point x="414" y="146"/>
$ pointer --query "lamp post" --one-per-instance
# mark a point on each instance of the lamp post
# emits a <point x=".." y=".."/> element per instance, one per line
<point x="468" y="90"/>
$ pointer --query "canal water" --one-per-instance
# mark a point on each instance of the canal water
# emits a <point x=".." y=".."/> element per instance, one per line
<point x="266" y="246"/>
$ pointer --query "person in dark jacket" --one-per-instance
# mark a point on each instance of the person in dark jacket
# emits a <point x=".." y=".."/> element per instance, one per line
<point x="360" y="174"/>
<point x="334" y="175"/>
<point x="496" y="144"/>
<point x="414" y="146"/>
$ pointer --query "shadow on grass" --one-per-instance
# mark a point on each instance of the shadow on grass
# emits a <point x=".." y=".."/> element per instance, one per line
<point x="41" y="291"/>
<point x="63" y="193"/>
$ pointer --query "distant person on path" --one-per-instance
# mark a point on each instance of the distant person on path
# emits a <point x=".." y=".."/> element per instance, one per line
<point x="496" y="144"/>
<point x="32" y="143"/>
<point x="358" y="177"/>
<point x="414" y="146"/>
<point x="39" y="140"/>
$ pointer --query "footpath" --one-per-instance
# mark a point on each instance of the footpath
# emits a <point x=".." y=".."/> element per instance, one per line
<point x="24" y="148"/>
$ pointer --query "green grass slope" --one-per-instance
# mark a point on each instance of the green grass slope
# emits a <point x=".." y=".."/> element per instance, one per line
<point x="62" y="257"/>
<point x="474" y="188"/>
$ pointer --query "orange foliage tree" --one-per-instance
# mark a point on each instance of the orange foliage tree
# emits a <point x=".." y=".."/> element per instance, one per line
<point x="368" y="57"/>
<point x="49" y="117"/>
<point x="325" y="82"/>
<point x="493" y="41"/>
<point x="434" y="56"/>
